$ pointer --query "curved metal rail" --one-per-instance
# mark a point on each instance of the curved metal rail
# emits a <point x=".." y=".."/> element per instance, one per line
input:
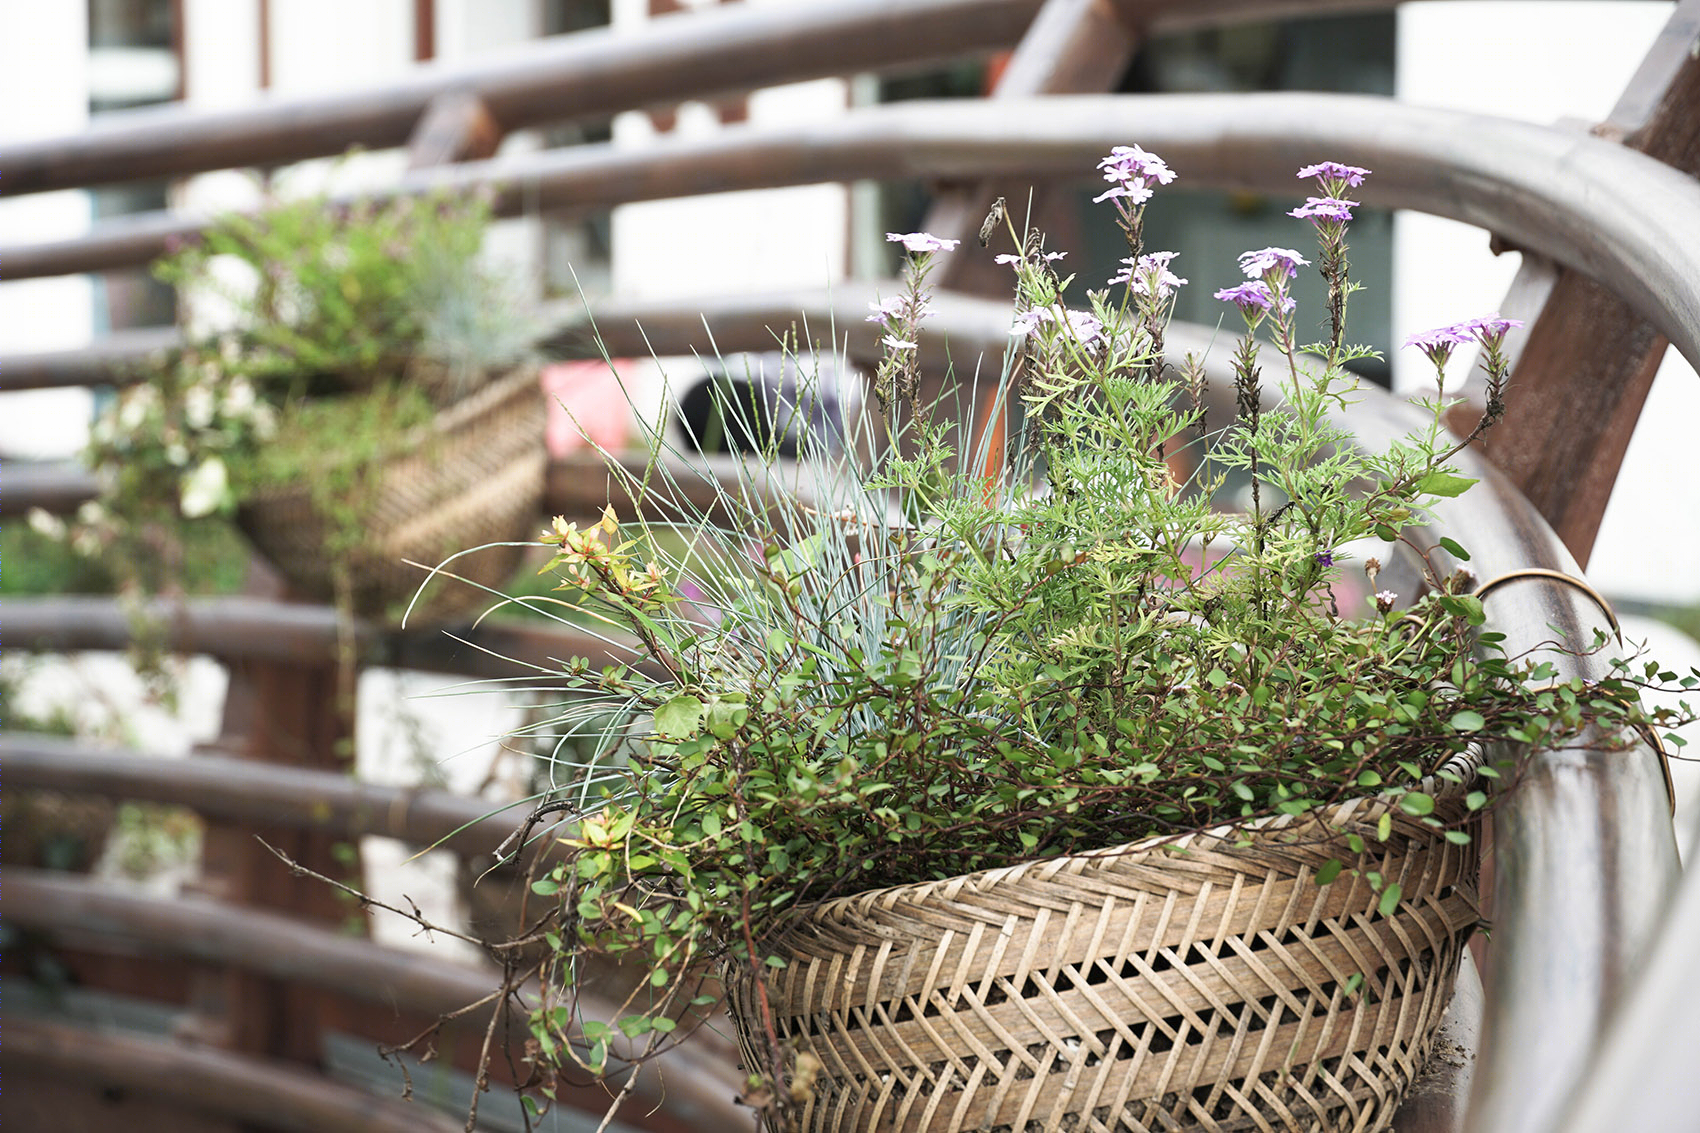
<point x="586" y="75"/>
<point x="1621" y="217"/>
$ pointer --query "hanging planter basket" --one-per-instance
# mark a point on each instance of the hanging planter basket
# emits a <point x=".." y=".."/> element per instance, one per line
<point x="474" y="476"/>
<point x="1190" y="984"/>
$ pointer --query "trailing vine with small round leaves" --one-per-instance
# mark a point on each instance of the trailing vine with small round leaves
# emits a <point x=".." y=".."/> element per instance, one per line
<point x="941" y="672"/>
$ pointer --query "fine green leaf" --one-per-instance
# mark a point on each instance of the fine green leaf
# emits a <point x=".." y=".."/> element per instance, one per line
<point x="1467" y="720"/>
<point x="1444" y="484"/>
<point x="680" y="717"/>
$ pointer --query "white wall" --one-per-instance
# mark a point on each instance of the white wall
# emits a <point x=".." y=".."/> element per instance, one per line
<point x="43" y="93"/>
<point x="731" y="242"/>
<point x="1543" y="62"/>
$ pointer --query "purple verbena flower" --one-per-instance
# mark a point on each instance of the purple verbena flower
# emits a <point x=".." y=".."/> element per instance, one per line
<point x="1134" y="194"/>
<point x="1438" y="343"/>
<point x="1253" y="298"/>
<point x="1154" y="267"/>
<point x="921" y="241"/>
<point x="1012" y="258"/>
<point x="885" y="309"/>
<point x="1130" y="165"/>
<point x="1489" y="328"/>
<point x="1083" y="326"/>
<point x="1259" y="264"/>
<point x="1324" y="558"/>
<point x="1029" y="321"/>
<point x="1324" y="209"/>
<point x="1352" y="175"/>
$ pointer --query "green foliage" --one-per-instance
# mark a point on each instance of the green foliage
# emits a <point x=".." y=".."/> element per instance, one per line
<point x="329" y="294"/>
<point x="320" y="335"/>
<point x="926" y="671"/>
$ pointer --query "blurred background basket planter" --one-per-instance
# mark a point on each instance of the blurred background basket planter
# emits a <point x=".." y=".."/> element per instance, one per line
<point x="474" y="476"/>
<point x="1185" y="984"/>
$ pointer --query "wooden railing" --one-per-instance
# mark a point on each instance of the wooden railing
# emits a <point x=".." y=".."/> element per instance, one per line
<point x="1585" y="864"/>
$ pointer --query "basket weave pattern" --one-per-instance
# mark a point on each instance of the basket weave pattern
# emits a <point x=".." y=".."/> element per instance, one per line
<point x="1193" y="985"/>
<point x="474" y="476"/>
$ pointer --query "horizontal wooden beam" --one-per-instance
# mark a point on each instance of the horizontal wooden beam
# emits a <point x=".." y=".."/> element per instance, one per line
<point x="244" y="627"/>
<point x="698" y="1080"/>
<point x="243" y="790"/>
<point x="577" y="485"/>
<point x="115" y="359"/>
<point x="586" y="75"/>
<point x="205" y="931"/>
<point x="1618" y="216"/>
<point x="270" y="1095"/>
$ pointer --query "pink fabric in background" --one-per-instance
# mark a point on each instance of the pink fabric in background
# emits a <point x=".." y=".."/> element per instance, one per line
<point x="585" y="400"/>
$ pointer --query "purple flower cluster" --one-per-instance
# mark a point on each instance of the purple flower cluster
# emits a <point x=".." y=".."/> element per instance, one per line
<point x="1324" y="210"/>
<point x="1149" y="272"/>
<point x="1437" y="344"/>
<point x="1012" y="258"/>
<point x="1254" y="299"/>
<point x="1283" y="262"/>
<point x="1083" y="327"/>
<point x="1330" y="174"/>
<point x="921" y="241"/>
<point x="1132" y="172"/>
<point x="885" y="310"/>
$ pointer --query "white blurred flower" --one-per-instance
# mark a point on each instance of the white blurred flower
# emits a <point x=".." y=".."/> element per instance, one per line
<point x="239" y="399"/>
<point x="198" y="406"/>
<point x="91" y="514"/>
<point x="204" y="489"/>
<point x="137" y="403"/>
<point x="177" y="454"/>
<point x="46" y="524"/>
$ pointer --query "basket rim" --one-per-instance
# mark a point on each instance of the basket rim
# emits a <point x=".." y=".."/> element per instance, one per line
<point x="1223" y="837"/>
<point x="492" y="395"/>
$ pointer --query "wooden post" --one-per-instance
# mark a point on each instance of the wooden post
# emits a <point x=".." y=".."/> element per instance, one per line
<point x="1072" y="47"/>
<point x="457" y="126"/>
<point x="289" y="712"/>
<point x="1583" y="368"/>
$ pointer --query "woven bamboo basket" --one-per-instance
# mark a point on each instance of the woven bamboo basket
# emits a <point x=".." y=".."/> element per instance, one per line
<point x="1190" y="985"/>
<point x="474" y="476"/>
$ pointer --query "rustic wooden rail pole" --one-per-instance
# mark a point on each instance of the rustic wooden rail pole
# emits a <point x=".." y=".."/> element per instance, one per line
<point x="586" y="75"/>
<point x="1587" y="355"/>
<point x="383" y="993"/>
<point x="1072" y="47"/>
<point x="244" y="1092"/>
<point x="1623" y="218"/>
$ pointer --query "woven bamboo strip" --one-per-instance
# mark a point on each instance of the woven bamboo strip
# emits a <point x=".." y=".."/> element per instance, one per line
<point x="1146" y="989"/>
<point x="882" y="914"/>
<point x="1082" y="1010"/>
<point x="475" y="476"/>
